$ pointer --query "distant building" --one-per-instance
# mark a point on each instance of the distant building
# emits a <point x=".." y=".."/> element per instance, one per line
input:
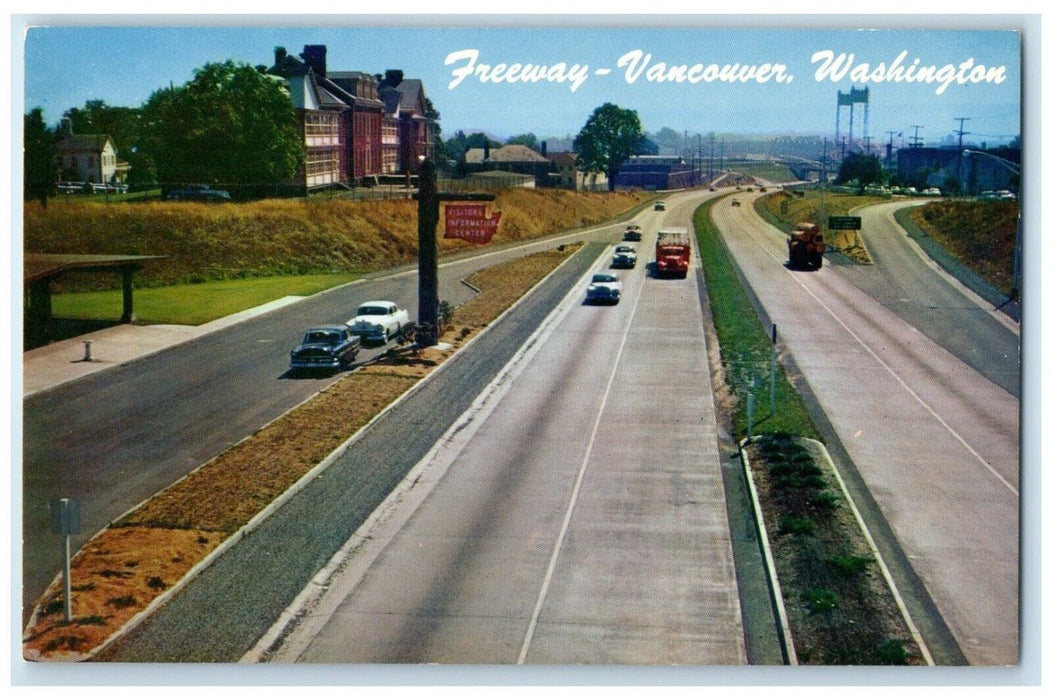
<point x="356" y="127"/>
<point x="655" y="173"/>
<point x="935" y="167"/>
<point x="90" y="158"/>
<point x="407" y="111"/>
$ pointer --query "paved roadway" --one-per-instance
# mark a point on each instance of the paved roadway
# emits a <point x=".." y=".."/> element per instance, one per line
<point x="935" y="440"/>
<point x="574" y="515"/>
<point x="113" y="438"/>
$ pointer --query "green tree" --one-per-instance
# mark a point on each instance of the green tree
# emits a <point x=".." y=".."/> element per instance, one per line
<point x="122" y="124"/>
<point x="231" y="125"/>
<point x="864" y="168"/>
<point x="39" y="167"/>
<point x="609" y="137"/>
<point x="528" y="140"/>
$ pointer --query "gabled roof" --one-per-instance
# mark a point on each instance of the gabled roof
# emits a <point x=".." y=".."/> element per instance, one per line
<point x="563" y="158"/>
<point x="88" y="143"/>
<point x="515" y="153"/>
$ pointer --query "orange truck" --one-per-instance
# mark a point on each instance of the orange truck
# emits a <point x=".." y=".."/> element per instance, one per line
<point x="672" y="253"/>
<point x="806" y="246"/>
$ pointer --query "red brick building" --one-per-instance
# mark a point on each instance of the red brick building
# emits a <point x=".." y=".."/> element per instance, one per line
<point x="356" y="127"/>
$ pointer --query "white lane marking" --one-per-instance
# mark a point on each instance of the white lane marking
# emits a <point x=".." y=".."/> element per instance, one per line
<point x="549" y="575"/>
<point x="899" y="379"/>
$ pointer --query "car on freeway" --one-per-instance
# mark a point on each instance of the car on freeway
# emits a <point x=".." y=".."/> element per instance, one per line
<point x="605" y="288"/>
<point x="624" y="256"/>
<point x="633" y="232"/>
<point x="659" y="206"/>
<point x="198" y="193"/>
<point x="735" y="203"/>
<point x="330" y="348"/>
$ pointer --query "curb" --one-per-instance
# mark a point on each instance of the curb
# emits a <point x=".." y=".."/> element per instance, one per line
<point x="769" y="559"/>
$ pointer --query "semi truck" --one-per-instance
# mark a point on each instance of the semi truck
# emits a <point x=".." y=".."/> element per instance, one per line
<point x="672" y="253"/>
<point x="806" y="246"/>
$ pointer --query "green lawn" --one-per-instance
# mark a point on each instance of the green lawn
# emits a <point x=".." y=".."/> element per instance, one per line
<point x="193" y="304"/>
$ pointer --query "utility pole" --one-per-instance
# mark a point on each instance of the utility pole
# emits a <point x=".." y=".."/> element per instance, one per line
<point x="960" y="148"/>
<point x="916" y="139"/>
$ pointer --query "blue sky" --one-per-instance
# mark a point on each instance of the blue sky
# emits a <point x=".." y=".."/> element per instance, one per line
<point x="64" y="66"/>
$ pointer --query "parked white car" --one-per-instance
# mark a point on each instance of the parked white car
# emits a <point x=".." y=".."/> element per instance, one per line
<point x="379" y="321"/>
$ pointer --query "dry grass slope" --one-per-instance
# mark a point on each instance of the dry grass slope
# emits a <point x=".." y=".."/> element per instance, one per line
<point x="204" y="242"/>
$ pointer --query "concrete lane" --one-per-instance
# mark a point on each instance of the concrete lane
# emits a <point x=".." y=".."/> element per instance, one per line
<point x="936" y="442"/>
<point x="575" y="516"/>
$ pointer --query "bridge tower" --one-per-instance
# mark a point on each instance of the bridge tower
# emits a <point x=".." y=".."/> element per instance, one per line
<point x="850" y="99"/>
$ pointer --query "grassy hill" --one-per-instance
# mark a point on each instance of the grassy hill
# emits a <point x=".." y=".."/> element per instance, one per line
<point x="204" y="242"/>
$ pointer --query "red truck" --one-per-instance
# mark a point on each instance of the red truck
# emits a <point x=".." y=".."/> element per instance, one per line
<point x="672" y="253"/>
<point x="806" y="246"/>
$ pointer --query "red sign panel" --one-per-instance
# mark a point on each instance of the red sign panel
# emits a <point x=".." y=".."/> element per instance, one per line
<point x="469" y="222"/>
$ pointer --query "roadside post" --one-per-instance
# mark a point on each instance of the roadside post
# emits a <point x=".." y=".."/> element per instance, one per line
<point x="474" y="226"/>
<point x="65" y="521"/>
<point x="774" y="360"/>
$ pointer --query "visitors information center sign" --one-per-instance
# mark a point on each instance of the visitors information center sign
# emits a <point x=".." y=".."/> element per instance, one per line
<point x="469" y="222"/>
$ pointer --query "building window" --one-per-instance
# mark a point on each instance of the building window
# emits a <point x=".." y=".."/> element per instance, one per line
<point x="321" y="129"/>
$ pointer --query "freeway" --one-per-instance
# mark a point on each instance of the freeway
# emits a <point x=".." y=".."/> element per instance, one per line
<point x="575" y="514"/>
<point x="933" y="436"/>
<point x="114" y="438"/>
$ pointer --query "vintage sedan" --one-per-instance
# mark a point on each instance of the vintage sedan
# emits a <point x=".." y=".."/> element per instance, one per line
<point x="633" y="232"/>
<point x="604" y="289"/>
<point x="624" y="256"/>
<point x="328" y="348"/>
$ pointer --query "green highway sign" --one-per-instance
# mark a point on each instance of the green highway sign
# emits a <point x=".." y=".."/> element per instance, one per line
<point x="845" y="223"/>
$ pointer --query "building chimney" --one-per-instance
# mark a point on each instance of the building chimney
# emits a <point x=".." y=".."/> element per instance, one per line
<point x="485" y="151"/>
<point x="314" y="56"/>
<point x="544" y="149"/>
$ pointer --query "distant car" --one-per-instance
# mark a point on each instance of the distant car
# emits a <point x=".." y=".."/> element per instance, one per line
<point x="633" y="232"/>
<point x="735" y="203"/>
<point x="712" y="189"/>
<point x="199" y="193"/>
<point x="605" y="288"/>
<point x="624" y="256"/>
<point x="932" y="192"/>
<point x="659" y="206"/>
<point x="329" y="348"/>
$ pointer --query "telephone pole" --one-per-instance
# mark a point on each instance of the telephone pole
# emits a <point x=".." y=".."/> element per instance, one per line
<point x="960" y="148"/>
<point x="916" y="139"/>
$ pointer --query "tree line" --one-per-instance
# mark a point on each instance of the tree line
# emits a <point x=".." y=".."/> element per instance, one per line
<point x="232" y="123"/>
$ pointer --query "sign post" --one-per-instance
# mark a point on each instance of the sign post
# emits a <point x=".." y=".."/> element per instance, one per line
<point x="468" y="225"/>
<point x="65" y="521"/>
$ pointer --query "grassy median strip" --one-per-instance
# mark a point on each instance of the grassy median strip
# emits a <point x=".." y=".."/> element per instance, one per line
<point x="840" y="609"/>
<point x="745" y="345"/>
<point x="119" y="572"/>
